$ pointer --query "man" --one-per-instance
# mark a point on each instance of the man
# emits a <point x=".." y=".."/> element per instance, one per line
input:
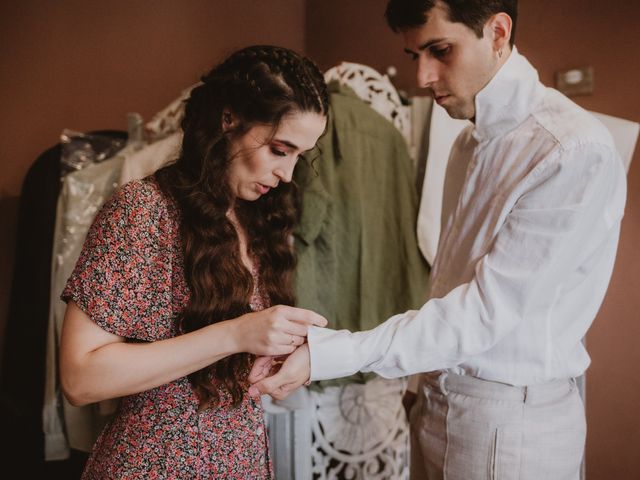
<point x="533" y="199"/>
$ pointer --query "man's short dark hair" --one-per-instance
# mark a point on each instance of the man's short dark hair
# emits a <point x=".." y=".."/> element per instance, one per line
<point x="404" y="15"/>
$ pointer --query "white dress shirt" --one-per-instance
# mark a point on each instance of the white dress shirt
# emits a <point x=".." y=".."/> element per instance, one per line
<point x="533" y="198"/>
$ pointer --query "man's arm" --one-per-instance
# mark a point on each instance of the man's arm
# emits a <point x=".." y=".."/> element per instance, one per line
<point x="579" y="193"/>
<point x="576" y="194"/>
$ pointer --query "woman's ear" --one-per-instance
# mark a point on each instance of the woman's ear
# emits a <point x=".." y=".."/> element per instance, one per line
<point x="228" y="121"/>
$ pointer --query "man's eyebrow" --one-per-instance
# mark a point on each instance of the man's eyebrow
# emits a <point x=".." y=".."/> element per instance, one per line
<point x="425" y="45"/>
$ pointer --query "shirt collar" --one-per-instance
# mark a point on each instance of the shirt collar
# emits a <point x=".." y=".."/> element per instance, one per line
<point x="508" y="98"/>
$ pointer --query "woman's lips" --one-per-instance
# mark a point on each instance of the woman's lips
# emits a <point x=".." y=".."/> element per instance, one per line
<point x="262" y="189"/>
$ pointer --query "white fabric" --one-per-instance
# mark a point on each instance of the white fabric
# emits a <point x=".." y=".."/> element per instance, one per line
<point x="420" y="112"/>
<point x="533" y="199"/>
<point x="374" y="89"/>
<point x="443" y="133"/>
<point x="624" y="133"/>
<point x="167" y="121"/>
<point x="150" y="158"/>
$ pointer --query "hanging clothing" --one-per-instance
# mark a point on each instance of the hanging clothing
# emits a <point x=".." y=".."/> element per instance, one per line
<point x="167" y="121"/>
<point x="149" y="159"/>
<point x="533" y="201"/>
<point x="624" y="133"/>
<point x="23" y="376"/>
<point x="130" y="281"/>
<point x="420" y="111"/>
<point x="358" y="259"/>
<point x="82" y="194"/>
<point x="376" y="90"/>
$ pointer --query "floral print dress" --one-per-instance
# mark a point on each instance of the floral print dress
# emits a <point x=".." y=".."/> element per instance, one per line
<point x="130" y="281"/>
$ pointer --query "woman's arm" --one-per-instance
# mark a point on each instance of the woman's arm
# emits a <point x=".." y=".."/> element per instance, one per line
<point x="97" y="365"/>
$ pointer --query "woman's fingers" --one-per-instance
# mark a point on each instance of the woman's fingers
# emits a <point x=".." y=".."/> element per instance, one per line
<point x="260" y="369"/>
<point x="295" y="328"/>
<point x="301" y="315"/>
<point x="310" y="318"/>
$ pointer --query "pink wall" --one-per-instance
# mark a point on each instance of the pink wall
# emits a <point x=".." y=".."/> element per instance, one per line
<point x="83" y="65"/>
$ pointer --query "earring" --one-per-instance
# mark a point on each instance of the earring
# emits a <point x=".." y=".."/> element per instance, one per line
<point x="500" y="53"/>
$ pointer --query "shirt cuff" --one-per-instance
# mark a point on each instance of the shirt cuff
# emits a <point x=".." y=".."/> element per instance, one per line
<point x="332" y="353"/>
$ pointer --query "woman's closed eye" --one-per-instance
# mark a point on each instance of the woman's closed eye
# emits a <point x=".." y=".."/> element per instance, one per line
<point x="278" y="152"/>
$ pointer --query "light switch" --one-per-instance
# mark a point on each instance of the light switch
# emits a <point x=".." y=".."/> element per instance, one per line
<point x="575" y="81"/>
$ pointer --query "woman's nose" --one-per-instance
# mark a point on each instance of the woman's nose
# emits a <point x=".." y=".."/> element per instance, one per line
<point x="284" y="172"/>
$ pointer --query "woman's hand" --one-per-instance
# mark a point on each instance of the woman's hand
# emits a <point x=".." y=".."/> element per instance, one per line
<point x="275" y="331"/>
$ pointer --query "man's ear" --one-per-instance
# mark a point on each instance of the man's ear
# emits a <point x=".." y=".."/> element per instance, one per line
<point x="228" y="121"/>
<point x="499" y="27"/>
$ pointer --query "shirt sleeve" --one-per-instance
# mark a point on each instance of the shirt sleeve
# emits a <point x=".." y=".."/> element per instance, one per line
<point x="576" y="191"/>
<point x="122" y="279"/>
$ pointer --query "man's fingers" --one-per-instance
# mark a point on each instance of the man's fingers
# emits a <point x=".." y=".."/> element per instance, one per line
<point x="271" y="385"/>
<point x="284" y="390"/>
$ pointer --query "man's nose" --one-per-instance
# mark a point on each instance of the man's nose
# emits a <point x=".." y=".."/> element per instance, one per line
<point x="427" y="72"/>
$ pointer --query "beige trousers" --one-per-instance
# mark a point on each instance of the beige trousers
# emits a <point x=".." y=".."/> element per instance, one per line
<point x="464" y="428"/>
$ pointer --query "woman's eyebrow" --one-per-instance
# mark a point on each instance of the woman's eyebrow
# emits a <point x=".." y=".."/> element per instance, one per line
<point x="287" y="143"/>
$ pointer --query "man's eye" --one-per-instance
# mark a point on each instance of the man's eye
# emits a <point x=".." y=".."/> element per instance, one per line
<point x="440" y="52"/>
<point x="280" y="153"/>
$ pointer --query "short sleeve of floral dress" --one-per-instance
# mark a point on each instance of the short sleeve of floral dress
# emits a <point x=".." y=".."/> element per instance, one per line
<point x="129" y="279"/>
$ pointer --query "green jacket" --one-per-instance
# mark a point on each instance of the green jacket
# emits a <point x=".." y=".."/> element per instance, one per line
<point x="358" y="256"/>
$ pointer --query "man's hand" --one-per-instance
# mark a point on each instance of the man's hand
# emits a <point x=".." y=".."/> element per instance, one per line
<point x="267" y="379"/>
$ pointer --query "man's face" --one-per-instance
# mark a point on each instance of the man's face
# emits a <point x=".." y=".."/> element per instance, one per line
<point x="452" y="62"/>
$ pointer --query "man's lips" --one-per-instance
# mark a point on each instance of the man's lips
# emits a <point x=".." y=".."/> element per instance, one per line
<point x="440" y="98"/>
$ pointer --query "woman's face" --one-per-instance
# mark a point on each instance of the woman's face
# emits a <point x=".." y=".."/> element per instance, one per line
<point x="262" y="159"/>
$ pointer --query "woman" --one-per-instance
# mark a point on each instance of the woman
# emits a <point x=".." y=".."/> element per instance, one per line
<point x="169" y="302"/>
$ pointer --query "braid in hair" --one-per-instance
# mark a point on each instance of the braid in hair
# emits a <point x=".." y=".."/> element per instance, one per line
<point x="259" y="84"/>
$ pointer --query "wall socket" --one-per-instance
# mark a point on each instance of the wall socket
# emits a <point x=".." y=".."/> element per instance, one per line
<point x="575" y="81"/>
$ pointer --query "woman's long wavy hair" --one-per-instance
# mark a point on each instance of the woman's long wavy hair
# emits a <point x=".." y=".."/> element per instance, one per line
<point x="259" y="85"/>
